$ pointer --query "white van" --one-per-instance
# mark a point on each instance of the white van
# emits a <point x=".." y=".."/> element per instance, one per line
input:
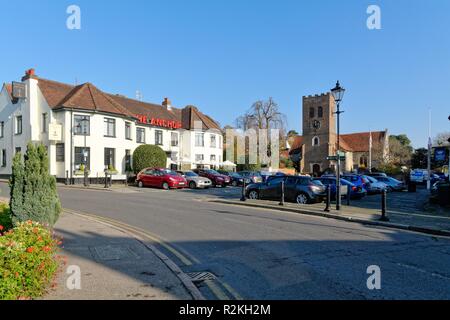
<point x="419" y="175"/>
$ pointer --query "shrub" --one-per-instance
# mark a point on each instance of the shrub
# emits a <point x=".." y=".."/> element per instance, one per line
<point x="28" y="261"/>
<point x="5" y="218"/>
<point x="33" y="189"/>
<point x="148" y="156"/>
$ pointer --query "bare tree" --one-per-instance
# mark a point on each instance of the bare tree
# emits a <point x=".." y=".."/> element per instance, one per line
<point x="442" y="139"/>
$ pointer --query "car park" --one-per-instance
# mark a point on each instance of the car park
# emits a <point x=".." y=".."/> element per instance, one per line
<point x="194" y="181"/>
<point x="253" y="176"/>
<point x="299" y="189"/>
<point x="392" y="183"/>
<point x="160" y="178"/>
<point x="217" y="179"/>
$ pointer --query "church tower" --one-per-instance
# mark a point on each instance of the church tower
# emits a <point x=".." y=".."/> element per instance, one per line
<point x="319" y="132"/>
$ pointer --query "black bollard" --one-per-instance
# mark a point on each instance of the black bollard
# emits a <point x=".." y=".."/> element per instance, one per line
<point x="282" y="194"/>
<point x="384" y="206"/>
<point x="243" y="197"/>
<point x="328" y="201"/>
<point x="106" y="179"/>
<point x="349" y="190"/>
<point x="67" y="178"/>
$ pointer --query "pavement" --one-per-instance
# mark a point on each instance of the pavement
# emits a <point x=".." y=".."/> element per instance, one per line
<point x="114" y="264"/>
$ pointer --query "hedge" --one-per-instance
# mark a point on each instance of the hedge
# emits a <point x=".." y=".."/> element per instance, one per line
<point x="148" y="156"/>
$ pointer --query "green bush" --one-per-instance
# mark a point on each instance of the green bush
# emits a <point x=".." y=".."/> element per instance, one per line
<point x="33" y="189"/>
<point x="148" y="156"/>
<point x="5" y="218"/>
<point x="28" y="261"/>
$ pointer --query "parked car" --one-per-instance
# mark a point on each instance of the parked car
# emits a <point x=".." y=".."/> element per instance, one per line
<point x="160" y="178"/>
<point x="419" y="176"/>
<point x="216" y="178"/>
<point x="355" y="192"/>
<point x="374" y="186"/>
<point x="194" y="181"/>
<point x="376" y="174"/>
<point x="357" y="180"/>
<point x="254" y="176"/>
<point x="235" y="178"/>
<point x="392" y="184"/>
<point x="265" y="175"/>
<point x="299" y="189"/>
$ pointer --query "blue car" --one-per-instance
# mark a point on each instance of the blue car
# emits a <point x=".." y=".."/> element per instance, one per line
<point x="355" y="191"/>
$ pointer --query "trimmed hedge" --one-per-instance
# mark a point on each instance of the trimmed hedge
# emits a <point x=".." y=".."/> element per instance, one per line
<point x="148" y="156"/>
<point x="32" y="188"/>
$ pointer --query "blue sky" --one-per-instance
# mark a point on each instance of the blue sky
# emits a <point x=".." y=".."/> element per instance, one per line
<point x="222" y="55"/>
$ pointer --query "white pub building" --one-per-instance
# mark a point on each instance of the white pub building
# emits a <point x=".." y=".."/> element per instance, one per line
<point x="82" y="124"/>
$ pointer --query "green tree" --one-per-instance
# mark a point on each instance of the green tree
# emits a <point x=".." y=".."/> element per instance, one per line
<point x="419" y="159"/>
<point x="148" y="156"/>
<point x="33" y="189"/>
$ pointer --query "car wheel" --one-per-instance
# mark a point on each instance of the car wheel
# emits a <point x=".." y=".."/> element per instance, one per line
<point x="253" y="195"/>
<point x="140" y="184"/>
<point x="192" y="185"/>
<point x="302" y="198"/>
<point x="165" y="186"/>
<point x="234" y="184"/>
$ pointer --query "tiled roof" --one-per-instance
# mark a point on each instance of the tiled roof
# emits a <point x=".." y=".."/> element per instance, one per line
<point x="354" y="142"/>
<point x="359" y="142"/>
<point x="88" y="97"/>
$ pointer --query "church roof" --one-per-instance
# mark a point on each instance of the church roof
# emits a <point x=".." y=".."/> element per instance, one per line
<point x="354" y="142"/>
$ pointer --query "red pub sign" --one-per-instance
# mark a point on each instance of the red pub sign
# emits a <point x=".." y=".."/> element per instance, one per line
<point x="171" y="124"/>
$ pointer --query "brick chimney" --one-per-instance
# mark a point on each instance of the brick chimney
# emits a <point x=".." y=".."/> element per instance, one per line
<point x="167" y="104"/>
<point x="29" y="74"/>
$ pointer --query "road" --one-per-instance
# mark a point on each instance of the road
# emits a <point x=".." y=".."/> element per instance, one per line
<point x="263" y="254"/>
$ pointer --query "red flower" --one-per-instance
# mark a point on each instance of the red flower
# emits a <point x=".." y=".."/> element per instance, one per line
<point x="30" y="249"/>
<point x="1" y="227"/>
<point x="46" y="249"/>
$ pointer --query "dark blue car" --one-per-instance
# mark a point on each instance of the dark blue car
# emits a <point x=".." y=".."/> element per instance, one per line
<point x="355" y="191"/>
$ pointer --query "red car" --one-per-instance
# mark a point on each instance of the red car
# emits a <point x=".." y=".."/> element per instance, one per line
<point x="160" y="178"/>
<point x="216" y="178"/>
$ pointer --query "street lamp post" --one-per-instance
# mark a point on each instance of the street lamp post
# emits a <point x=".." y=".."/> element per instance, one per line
<point x="85" y="172"/>
<point x="338" y="95"/>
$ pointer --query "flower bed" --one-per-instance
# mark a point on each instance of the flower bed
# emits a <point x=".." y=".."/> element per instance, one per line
<point x="28" y="260"/>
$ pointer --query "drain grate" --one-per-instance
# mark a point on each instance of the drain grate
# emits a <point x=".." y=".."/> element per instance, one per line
<point x="201" y="276"/>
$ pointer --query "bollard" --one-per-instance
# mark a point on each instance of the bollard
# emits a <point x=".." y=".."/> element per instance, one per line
<point x="67" y="178"/>
<point x="349" y="190"/>
<point x="282" y="194"/>
<point x="328" y="201"/>
<point x="384" y="206"/>
<point x="106" y="179"/>
<point x="243" y="197"/>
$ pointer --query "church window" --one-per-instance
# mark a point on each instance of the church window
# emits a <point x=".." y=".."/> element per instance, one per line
<point x="311" y="112"/>
<point x="320" y="112"/>
<point x="316" y="142"/>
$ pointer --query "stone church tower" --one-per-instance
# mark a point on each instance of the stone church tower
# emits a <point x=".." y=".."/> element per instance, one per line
<point x="319" y="132"/>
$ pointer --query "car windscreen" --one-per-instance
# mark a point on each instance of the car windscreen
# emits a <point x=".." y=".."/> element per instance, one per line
<point x="212" y="172"/>
<point x="371" y="179"/>
<point x="190" y="174"/>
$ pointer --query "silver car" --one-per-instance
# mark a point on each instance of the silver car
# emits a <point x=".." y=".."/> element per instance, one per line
<point x="194" y="180"/>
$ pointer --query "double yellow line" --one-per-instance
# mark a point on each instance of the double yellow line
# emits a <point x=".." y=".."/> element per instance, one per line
<point x="182" y="255"/>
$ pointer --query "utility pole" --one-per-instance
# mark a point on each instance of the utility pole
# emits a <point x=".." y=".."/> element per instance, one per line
<point x="429" y="151"/>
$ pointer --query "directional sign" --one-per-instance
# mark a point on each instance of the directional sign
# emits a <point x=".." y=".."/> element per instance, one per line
<point x="334" y="158"/>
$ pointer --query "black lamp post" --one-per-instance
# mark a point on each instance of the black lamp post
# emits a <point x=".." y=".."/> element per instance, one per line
<point x="84" y="128"/>
<point x="338" y="95"/>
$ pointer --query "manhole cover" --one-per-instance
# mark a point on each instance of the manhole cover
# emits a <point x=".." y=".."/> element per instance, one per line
<point x="113" y="252"/>
<point x="201" y="276"/>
